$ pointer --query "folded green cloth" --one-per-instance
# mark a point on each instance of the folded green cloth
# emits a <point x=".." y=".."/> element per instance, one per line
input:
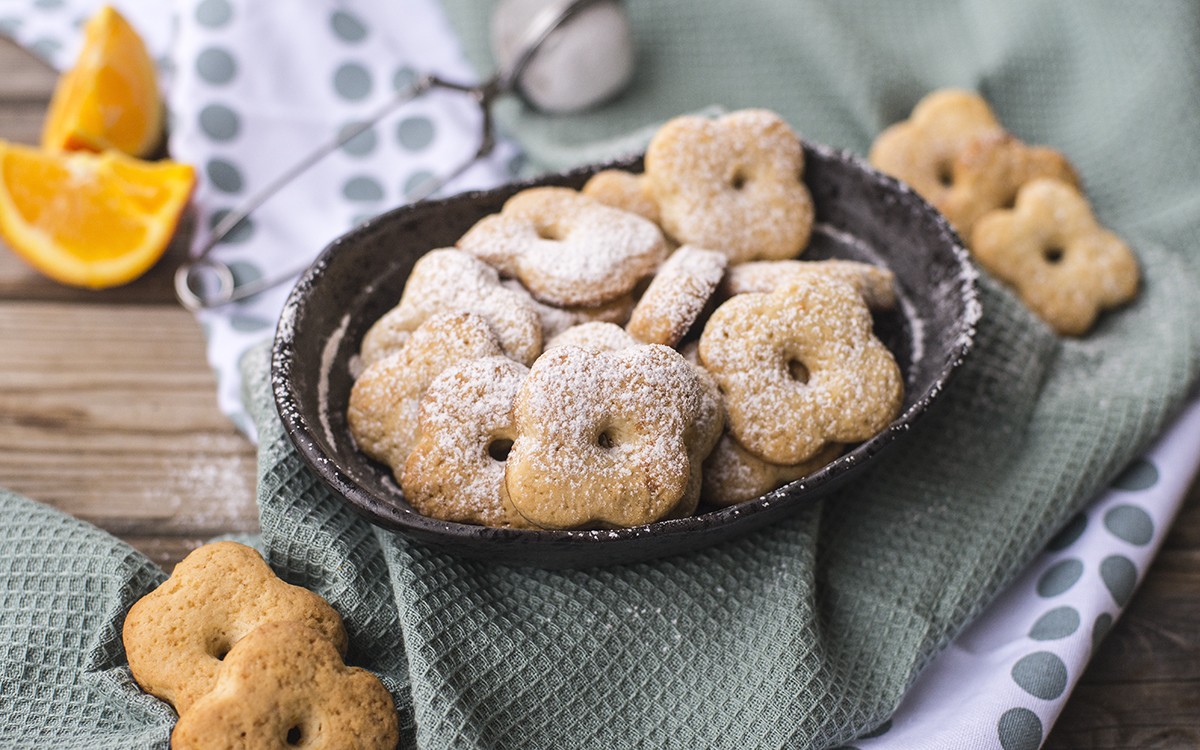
<point x="803" y="635"/>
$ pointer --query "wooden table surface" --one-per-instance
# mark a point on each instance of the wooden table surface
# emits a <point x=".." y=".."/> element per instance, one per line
<point x="108" y="412"/>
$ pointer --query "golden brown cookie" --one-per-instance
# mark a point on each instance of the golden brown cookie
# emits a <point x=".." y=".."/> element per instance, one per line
<point x="567" y="249"/>
<point x="734" y="475"/>
<point x="800" y="368"/>
<point x="176" y="636"/>
<point x="1062" y="263"/>
<point x="555" y="319"/>
<point x="450" y="281"/>
<point x="385" y="400"/>
<point x="456" y="469"/>
<point x="610" y="439"/>
<point x="285" y="686"/>
<point x="624" y="190"/>
<point x="597" y="337"/>
<point x="876" y="284"/>
<point x="989" y="171"/>
<point x="677" y="295"/>
<point x="732" y="184"/>
<point x="921" y="150"/>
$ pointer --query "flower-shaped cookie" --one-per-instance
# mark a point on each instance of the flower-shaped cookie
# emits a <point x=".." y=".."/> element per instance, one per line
<point x="734" y="475"/>
<point x="610" y="439"/>
<point x="677" y="295"/>
<point x="556" y="319"/>
<point x="989" y="171"/>
<point x="597" y="337"/>
<point x="732" y="184"/>
<point x="456" y="469"/>
<point x="800" y="368"/>
<point x="921" y="150"/>
<point x="385" y="400"/>
<point x="567" y="249"/>
<point x="176" y="636"/>
<point x="624" y="190"/>
<point x="448" y="280"/>
<point x="284" y="686"/>
<point x="1062" y="263"/>
<point x="876" y="284"/>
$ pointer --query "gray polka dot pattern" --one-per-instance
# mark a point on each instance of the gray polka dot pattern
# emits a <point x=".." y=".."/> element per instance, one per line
<point x="241" y="232"/>
<point x="362" y="189"/>
<point x="1019" y="729"/>
<point x="245" y="272"/>
<point x="224" y="175"/>
<point x="1041" y="674"/>
<point x="1070" y="533"/>
<point x="214" y="13"/>
<point x="352" y="81"/>
<point x="1120" y="578"/>
<point x="404" y="78"/>
<point x="219" y="122"/>
<point x="249" y="323"/>
<point x="347" y="27"/>
<point x="1055" y="624"/>
<point x="216" y="66"/>
<point x="1059" y="577"/>
<point x="415" y="133"/>
<point x="1139" y="475"/>
<point x="1130" y="523"/>
<point x="417" y="183"/>
<point x="361" y="144"/>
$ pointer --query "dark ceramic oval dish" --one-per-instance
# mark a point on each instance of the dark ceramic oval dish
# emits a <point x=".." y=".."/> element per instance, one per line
<point x="860" y="214"/>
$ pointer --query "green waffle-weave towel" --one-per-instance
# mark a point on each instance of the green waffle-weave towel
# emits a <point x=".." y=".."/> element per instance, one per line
<point x="804" y="635"/>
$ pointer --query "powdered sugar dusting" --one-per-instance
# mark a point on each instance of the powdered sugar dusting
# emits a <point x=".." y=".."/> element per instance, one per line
<point x="732" y="184"/>
<point x="448" y="280"/>
<point x="566" y="248"/>
<point x="848" y="385"/>
<point x="602" y="437"/>
<point x="677" y="295"/>
<point x="456" y="471"/>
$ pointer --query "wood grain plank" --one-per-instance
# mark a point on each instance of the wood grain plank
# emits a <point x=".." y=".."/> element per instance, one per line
<point x="26" y="78"/>
<point x="109" y="413"/>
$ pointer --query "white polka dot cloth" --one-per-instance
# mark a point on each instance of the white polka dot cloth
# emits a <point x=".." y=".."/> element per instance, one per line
<point x="251" y="89"/>
<point x="253" y="86"/>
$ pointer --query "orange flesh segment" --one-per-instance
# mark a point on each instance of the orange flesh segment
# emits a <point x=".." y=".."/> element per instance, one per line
<point x="110" y="98"/>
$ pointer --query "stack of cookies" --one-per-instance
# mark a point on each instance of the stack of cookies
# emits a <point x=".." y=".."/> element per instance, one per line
<point x="626" y="353"/>
<point x="250" y="661"/>
<point x="1019" y="208"/>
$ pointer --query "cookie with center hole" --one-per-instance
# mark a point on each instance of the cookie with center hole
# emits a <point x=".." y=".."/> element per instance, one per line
<point x="1063" y="264"/>
<point x="456" y="469"/>
<point x="733" y="184"/>
<point x="801" y="368"/>
<point x="285" y="686"/>
<point x="567" y="249"/>
<point x="176" y="636"/>
<point x="610" y="439"/>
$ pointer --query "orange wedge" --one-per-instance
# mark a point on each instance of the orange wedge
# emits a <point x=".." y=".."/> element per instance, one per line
<point x="91" y="220"/>
<point x="110" y="99"/>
